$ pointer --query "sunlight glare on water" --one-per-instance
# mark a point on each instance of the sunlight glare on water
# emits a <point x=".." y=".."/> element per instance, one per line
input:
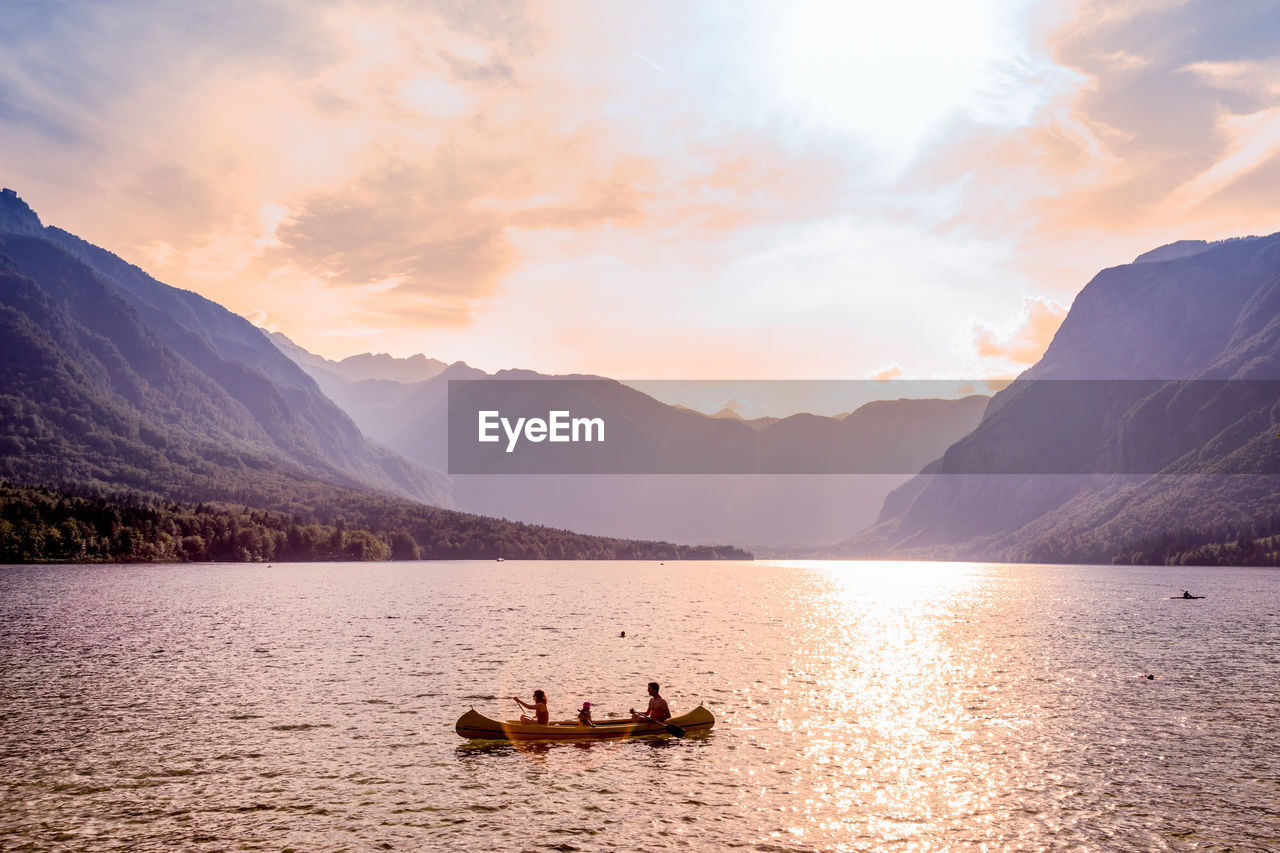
<point x="875" y="695"/>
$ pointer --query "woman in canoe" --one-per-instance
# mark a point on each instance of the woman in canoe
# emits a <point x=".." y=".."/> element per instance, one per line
<point x="539" y="708"/>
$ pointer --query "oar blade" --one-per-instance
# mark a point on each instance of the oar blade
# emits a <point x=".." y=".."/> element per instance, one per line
<point x="676" y="730"/>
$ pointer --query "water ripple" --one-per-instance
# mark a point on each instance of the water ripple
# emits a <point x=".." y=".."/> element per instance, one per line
<point x="860" y="706"/>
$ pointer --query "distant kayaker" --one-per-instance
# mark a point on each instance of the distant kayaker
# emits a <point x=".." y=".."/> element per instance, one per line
<point x="1187" y="594"/>
<point x="539" y="708"/>
<point x="584" y="714"/>
<point x="658" y="709"/>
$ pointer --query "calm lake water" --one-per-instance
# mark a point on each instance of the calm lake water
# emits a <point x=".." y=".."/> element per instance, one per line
<point x="859" y="706"/>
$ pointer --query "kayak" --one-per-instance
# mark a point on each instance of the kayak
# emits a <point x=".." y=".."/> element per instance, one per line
<point x="1185" y="597"/>
<point x="476" y="726"/>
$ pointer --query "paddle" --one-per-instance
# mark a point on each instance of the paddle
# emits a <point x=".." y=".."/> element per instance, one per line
<point x="674" y="730"/>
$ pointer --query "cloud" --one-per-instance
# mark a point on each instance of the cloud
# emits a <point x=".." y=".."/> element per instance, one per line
<point x="1188" y="73"/>
<point x="1027" y="338"/>
<point x="1254" y="140"/>
<point x="403" y="222"/>
<point x="405" y="142"/>
<point x="495" y="71"/>
<point x="515" y="179"/>
<point x="1260" y="78"/>
<point x="1159" y="127"/>
<point x="1122" y="60"/>
<point x="892" y="371"/>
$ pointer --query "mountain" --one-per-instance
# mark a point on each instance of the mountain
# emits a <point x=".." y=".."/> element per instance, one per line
<point x="143" y="422"/>
<point x="1177" y="249"/>
<point x="1154" y="409"/>
<point x="358" y="368"/>
<point x="781" y="498"/>
<point x="112" y="377"/>
<point x="758" y="509"/>
<point x="404" y="415"/>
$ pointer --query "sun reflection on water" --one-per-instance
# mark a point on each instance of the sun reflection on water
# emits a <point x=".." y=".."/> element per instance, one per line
<point x="887" y="691"/>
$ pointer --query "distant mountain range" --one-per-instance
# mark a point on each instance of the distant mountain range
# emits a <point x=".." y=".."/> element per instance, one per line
<point x="1188" y="311"/>
<point x="358" y="368"/>
<point x="769" y="511"/>
<point x="115" y="383"/>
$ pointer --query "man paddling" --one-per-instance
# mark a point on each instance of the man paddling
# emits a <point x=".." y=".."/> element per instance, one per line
<point x="658" y="709"/>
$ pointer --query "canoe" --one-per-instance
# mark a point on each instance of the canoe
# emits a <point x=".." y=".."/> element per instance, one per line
<point x="476" y="726"/>
<point x="1185" y="597"/>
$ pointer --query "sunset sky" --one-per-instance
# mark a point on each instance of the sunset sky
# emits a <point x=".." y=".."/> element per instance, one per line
<point x="653" y="189"/>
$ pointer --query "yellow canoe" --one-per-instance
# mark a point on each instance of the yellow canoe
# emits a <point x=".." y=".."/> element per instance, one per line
<point x="476" y="726"/>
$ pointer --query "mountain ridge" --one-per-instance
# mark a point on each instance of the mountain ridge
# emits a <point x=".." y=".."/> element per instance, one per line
<point x="363" y="366"/>
<point x="280" y="411"/>
<point x="121" y="394"/>
<point x="757" y="511"/>
<point x="1212" y="314"/>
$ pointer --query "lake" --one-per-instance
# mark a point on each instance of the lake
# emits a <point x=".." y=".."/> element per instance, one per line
<point x="859" y="706"/>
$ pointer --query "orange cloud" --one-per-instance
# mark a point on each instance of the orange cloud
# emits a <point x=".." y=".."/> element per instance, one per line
<point x="366" y="143"/>
<point x="1029" y="336"/>
<point x="512" y="181"/>
<point x="893" y="371"/>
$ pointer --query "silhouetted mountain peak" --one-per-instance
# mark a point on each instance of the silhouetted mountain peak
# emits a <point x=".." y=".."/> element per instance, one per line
<point x="363" y="366"/>
<point x="382" y="365"/>
<point x="462" y="370"/>
<point x="1184" y="249"/>
<point x="1101" y="463"/>
<point x="16" y="216"/>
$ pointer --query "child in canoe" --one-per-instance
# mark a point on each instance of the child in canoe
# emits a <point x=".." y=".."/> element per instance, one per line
<point x="584" y="714"/>
<point x="539" y="708"/>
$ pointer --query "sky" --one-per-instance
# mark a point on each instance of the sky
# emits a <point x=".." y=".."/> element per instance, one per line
<point x="663" y="190"/>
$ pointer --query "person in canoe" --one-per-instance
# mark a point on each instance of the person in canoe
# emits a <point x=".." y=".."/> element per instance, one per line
<point x="1187" y="594"/>
<point x="657" y="710"/>
<point x="584" y="715"/>
<point x="539" y="708"/>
